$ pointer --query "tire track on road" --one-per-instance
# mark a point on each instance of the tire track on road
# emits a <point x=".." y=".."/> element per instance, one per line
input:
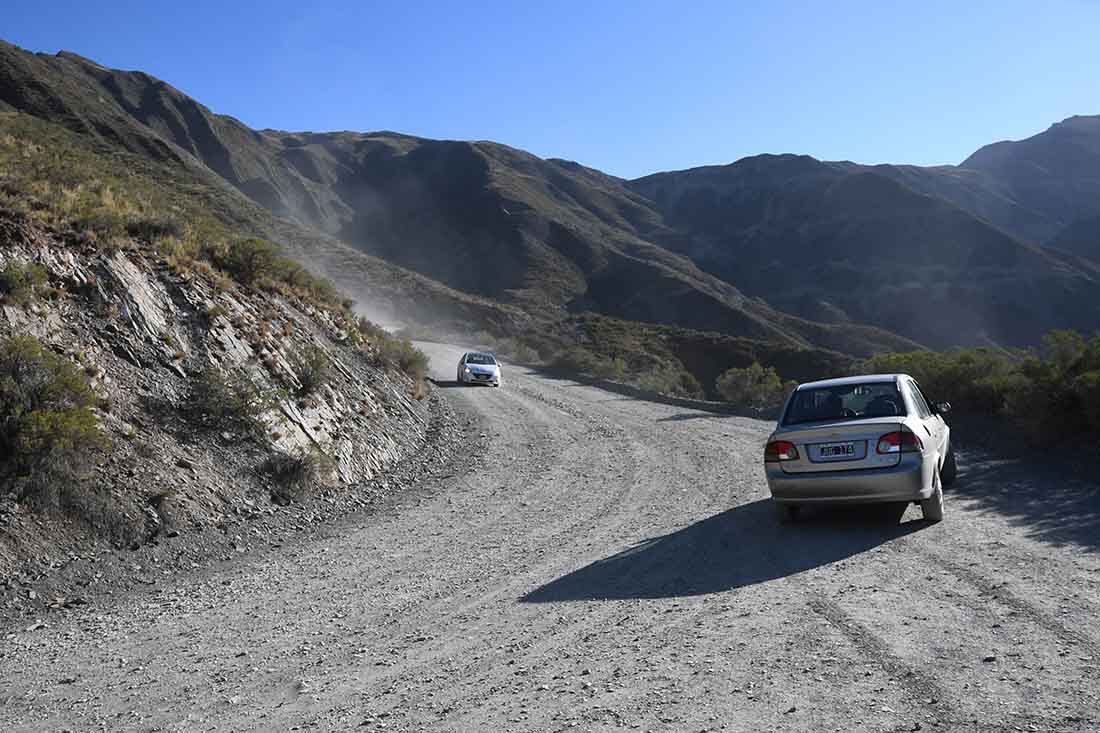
<point x="921" y="687"/>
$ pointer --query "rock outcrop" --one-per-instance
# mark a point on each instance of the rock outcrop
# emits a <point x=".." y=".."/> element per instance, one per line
<point x="141" y="330"/>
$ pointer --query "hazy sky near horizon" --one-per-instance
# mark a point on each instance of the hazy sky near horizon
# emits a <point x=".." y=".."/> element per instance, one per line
<point x="630" y="88"/>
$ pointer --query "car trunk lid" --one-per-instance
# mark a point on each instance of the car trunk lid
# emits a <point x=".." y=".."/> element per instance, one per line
<point x="839" y="446"/>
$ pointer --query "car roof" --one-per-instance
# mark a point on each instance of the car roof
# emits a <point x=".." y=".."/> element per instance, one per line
<point x="863" y="379"/>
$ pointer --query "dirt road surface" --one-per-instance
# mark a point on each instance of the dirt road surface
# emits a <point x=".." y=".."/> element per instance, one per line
<point x="605" y="564"/>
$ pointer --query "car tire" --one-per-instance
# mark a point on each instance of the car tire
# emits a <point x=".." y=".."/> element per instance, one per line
<point x="950" y="468"/>
<point x="932" y="507"/>
<point x="787" y="513"/>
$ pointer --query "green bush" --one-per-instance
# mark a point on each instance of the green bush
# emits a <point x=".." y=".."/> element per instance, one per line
<point x="19" y="283"/>
<point x="647" y="371"/>
<point x="312" y="367"/>
<point x="107" y="224"/>
<point x="228" y="401"/>
<point x="669" y="380"/>
<point x="371" y="331"/>
<point x="525" y="354"/>
<point x="400" y="353"/>
<point x="1049" y="393"/>
<point x="972" y="380"/>
<point x="580" y="359"/>
<point x="247" y="260"/>
<point x="257" y="262"/>
<point x="754" y="387"/>
<point x="153" y="229"/>
<point x="1087" y="387"/>
<point x="48" y="432"/>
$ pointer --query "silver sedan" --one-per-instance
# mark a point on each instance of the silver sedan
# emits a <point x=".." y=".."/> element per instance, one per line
<point x="479" y="367"/>
<point x="865" y="439"/>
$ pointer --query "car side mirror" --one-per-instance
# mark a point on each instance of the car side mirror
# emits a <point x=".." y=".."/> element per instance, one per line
<point x="942" y="408"/>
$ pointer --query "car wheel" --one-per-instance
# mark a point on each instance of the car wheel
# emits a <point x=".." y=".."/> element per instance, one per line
<point x="932" y="507"/>
<point x="950" y="468"/>
<point x="787" y="513"/>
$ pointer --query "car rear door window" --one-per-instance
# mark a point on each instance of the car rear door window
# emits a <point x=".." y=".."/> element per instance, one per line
<point x="918" y="400"/>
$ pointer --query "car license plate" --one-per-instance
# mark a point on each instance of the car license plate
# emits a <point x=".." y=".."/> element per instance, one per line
<point x="834" y="450"/>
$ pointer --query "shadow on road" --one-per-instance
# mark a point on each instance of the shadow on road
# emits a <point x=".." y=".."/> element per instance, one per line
<point x="1055" y="503"/>
<point x="682" y="416"/>
<point x="737" y="548"/>
<point x="445" y="383"/>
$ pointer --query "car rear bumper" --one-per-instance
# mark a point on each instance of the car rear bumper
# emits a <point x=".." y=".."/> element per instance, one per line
<point x="909" y="481"/>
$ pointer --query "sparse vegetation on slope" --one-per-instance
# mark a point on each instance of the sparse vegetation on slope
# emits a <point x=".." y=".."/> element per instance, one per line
<point x="164" y="291"/>
<point x="110" y="200"/>
<point x="679" y="361"/>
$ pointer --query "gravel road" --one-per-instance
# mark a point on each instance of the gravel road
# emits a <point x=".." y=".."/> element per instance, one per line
<point x="603" y="563"/>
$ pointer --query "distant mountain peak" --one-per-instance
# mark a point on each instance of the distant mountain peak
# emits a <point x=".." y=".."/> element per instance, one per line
<point x="72" y="56"/>
<point x="1080" y="123"/>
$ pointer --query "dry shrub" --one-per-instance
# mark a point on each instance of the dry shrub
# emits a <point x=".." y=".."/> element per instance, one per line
<point x="228" y="400"/>
<point x="313" y="368"/>
<point x="297" y="475"/>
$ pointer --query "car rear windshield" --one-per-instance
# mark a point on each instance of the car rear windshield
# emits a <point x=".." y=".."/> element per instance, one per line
<point x="480" y="359"/>
<point x="845" y="402"/>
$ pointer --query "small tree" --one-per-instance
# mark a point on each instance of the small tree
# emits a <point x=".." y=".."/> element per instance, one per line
<point x="754" y="386"/>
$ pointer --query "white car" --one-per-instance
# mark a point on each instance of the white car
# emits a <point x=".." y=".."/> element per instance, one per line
<point x="867" y="439"/>
<point x="478" y="367"/>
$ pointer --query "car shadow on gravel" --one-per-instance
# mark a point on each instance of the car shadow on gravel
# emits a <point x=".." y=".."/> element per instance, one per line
<point x="682" y="416"/>
<point x="737" y="548"/>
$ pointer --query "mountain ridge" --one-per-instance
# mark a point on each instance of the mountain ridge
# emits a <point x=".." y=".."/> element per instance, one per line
<point x="553" y="237"/>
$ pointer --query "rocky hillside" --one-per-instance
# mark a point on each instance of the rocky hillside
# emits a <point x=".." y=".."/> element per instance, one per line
<point x="180" y="402"/>
<point x="840" y="243"/>
<point x="501" y="235"/>
<point x="1082" y="238"/>
<point x="786" y="249"/>
<point x="214" y="164"/>
<point x="1055" y="175"/>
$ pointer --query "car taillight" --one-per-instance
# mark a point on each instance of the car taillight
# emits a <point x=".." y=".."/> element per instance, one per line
<point x="780" y="450"/>
<point x="899" y="442"/>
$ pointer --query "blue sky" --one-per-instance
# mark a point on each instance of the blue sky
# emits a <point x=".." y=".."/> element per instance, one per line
<point x="630" y="88"/>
